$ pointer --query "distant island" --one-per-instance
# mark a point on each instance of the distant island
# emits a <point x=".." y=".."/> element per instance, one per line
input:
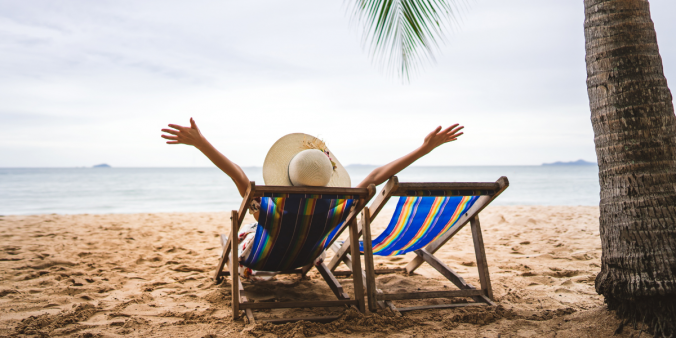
<point x="578" y="162"/>
<point x="102" y="165"/>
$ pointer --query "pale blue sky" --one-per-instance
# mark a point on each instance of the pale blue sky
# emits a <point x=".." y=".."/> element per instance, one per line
<point x="88" y="82"/>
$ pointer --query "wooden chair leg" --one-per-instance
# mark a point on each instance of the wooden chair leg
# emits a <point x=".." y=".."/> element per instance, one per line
<point x="356" y="265"/>
<point x="482" y="264"/>
<point x="224" y="259"/>
<point x="331" y="280"/>
<point x="234" y="265"/>
<point x="243" y="299"/>
<point x="368" y="261"/>
<point x="450" y="274"/>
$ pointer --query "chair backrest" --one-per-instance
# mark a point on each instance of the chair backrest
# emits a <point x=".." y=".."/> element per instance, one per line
<point x="428" y="210"/>
<point x="293" y="228"/>
<point x="417" y="221"/>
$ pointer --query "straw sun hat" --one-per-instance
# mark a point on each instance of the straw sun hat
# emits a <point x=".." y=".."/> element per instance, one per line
<point x="303" y="160"/>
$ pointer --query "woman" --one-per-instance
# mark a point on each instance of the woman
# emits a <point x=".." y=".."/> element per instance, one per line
<point x="301" y="160"/>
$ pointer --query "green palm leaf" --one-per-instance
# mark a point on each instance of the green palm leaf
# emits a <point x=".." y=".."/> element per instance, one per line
<point x="403" y="33"/>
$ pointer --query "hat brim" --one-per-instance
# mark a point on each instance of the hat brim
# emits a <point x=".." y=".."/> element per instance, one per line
<point x="276" y="165"/>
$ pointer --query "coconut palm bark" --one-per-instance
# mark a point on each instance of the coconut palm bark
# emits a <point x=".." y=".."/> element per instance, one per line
<point x="635" y="136"/>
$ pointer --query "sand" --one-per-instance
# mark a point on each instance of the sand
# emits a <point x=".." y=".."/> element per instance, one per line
<point x="150" y="275"/>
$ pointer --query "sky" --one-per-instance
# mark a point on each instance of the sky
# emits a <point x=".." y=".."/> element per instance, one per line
<point x="89" y="82"/>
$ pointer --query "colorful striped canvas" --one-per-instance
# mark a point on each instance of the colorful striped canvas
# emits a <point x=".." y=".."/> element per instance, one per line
<point x="418" y="221"/>
<point x="293" y="230"/>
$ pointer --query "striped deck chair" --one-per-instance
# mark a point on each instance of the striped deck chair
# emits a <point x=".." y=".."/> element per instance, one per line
<point x="426" y="217"/>
<point x="295" y="225"/>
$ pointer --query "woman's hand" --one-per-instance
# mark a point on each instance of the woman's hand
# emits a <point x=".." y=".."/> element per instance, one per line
<point x="193" y="137"/>
<point x="438" y="137"/>
<point x="433" y="140"/>
<point x="185" y="135"/>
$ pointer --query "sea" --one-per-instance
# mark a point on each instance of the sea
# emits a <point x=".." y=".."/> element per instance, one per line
<point x="27" y="191"/>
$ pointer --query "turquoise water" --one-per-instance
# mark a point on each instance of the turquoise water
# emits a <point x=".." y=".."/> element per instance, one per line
<point x="136" y="190"/>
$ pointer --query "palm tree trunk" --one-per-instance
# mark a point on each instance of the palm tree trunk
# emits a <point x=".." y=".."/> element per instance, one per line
<point x="635" y="135"/>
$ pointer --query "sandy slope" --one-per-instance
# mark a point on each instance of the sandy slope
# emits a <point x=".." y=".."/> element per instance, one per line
<point x="149" y="275"/>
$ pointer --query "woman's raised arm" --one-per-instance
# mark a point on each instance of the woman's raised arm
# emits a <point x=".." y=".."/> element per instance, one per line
<point x="193" y="137"/>
<point x="434" y="139"/>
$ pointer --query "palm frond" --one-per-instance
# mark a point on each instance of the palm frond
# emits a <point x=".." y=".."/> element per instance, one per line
<point x="403" y="33"/>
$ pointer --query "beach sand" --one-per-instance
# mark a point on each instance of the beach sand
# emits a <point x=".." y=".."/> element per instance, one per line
<point x="150" y="275"/>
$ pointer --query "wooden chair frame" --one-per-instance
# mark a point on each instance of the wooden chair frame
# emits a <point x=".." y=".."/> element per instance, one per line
<point x="376" y="298"/>
<point x="230" y="244"/>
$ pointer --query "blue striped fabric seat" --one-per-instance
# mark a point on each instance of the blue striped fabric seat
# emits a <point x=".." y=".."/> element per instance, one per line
<point x="418" y="221"/>
<point x="293" y="230"/>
